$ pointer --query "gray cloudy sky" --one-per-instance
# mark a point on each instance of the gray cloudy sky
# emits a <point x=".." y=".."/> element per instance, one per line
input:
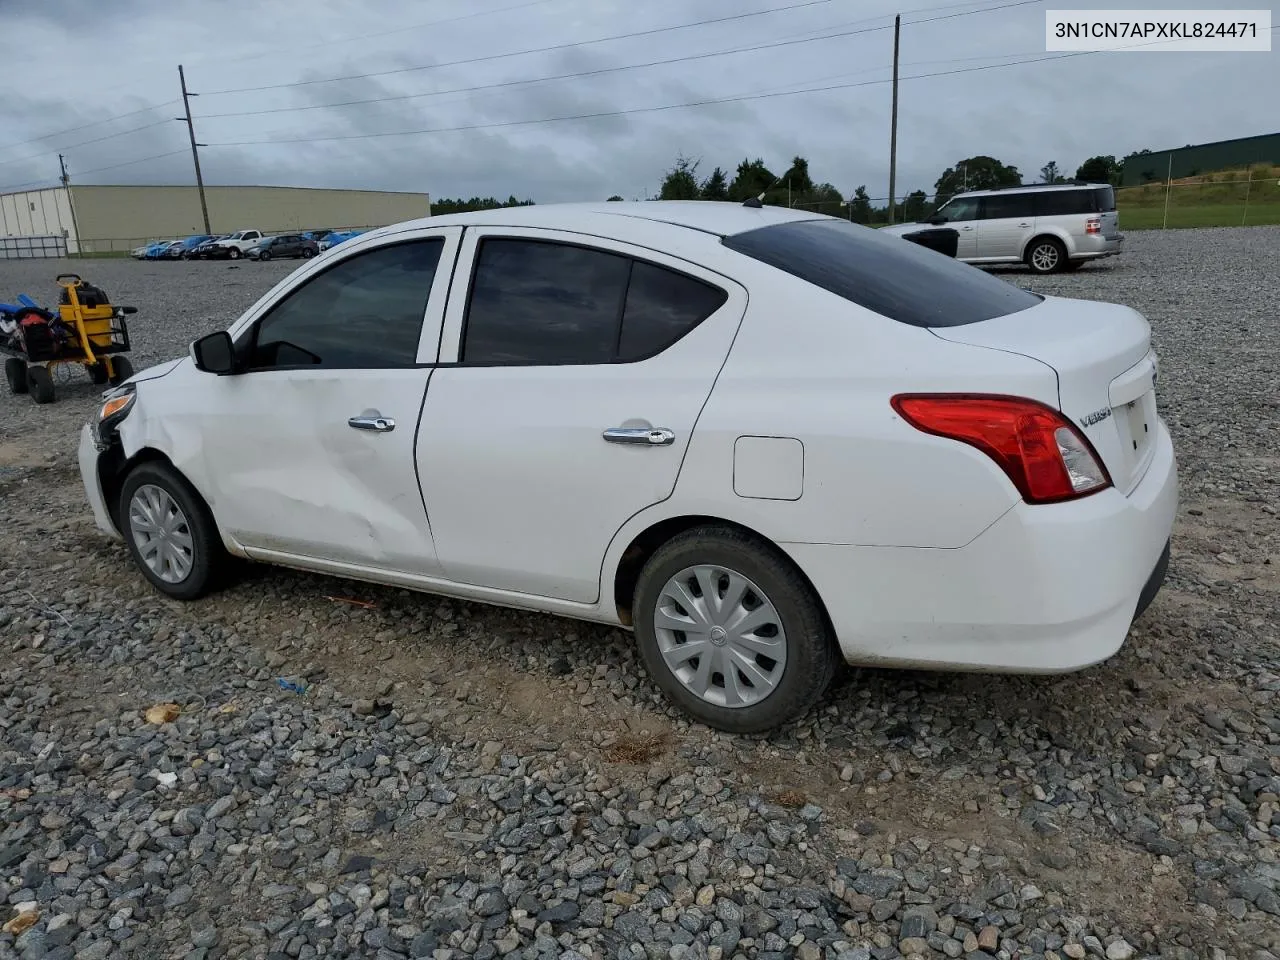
<point x="88" y="60"/>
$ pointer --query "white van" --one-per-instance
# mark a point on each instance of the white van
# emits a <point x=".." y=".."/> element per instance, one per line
<point x="1050" y="227"/>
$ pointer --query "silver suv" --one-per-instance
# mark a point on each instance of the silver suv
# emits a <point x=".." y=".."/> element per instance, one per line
<point x="1050" y="227"/>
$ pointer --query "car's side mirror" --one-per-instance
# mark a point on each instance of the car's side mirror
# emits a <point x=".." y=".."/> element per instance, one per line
<point x="215" y="353"/>
<point x="936" y="220"/>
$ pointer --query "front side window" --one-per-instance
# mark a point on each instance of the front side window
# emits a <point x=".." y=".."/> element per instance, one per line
<point x="366" y="311"/>
<point x="539" y="303"/>
<point x="961" y="208"/>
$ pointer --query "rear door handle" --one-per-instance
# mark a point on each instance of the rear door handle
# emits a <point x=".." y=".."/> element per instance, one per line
<point x="372" y="422"/>
<point x="648" y="436"/>
<point x="1024" y="224"/>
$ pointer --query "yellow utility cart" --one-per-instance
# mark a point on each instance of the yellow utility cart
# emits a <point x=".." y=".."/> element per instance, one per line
<point x="86" y="330"/>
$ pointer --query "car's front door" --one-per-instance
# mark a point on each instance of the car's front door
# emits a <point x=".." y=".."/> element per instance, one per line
<point x="1006" y="222"/>
<point x="311" y="448"/>
<point x="573" y="370"/>
<point x="962" y="216"/>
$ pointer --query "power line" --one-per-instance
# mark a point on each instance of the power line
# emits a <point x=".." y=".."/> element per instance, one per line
<point x="86" y="126"/>
<point x="627" y="112"/>
<point x="653" y="31"/>
<point x="85" y="173"/>
<point x="81" y="143"/>
<point x="688" y="58"/>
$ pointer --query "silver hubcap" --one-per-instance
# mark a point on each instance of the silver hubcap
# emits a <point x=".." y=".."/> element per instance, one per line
<point x="161" y="533"/>
<point x="1045" y="257"/>
<point x="720" y="636"/>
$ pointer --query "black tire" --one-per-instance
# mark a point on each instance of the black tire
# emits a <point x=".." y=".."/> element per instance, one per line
<point x="307" y="253"/>
<point x="207" y="555"/>
<point x="98" y="372"/>
<point x="15" y="372"/>
<point x="264" y="255"/>
<point x="121" y="370"/>
<point x="233" y="253"/>
<point x="40" y="384"/>
<point x="1046" y="255"/>
<point x="811" y="652"/>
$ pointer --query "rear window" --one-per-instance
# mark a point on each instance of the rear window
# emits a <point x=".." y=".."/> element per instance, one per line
<point x="1056" y="203"/>
<point x="887" y="274"/>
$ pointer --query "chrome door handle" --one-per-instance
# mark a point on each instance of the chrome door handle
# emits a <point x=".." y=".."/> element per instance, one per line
<point x="649" y="436"/>
<point x="366" y="422"/>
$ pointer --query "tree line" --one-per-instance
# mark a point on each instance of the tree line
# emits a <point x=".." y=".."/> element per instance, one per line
<point x="795" y="187"/>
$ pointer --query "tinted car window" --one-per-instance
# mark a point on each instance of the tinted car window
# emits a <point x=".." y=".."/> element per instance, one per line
<point x="365" y="311"/>
<point x="662" y="306"/>
<point x="537" y="302"/>
<point x="1055" y="203"/>
<point x="961" y="208"/>
<point x="1106" y="199"/>
<point x="1001" y="206"/>
<point x="887" y="274"/>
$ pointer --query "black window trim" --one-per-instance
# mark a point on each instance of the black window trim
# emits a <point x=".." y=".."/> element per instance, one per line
<point x="245" y="344"/>
<point x="622" y="306"/>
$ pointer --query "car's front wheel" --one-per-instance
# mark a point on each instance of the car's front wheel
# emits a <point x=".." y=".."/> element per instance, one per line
<point x="233" y="253"/>
<point x="731" y="631"/>
<point x="170" y="532"/>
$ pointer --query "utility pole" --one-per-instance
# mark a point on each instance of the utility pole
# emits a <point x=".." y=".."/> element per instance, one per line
<point x="893" y="132"/>
<point x="66" y="185"/>
<point x="195" y="154"/>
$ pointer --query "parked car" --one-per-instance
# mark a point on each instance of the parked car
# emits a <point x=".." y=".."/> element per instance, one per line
<point x="139" y="252"/>
<point x="193" y="251"/>
<point x="234" y="246"/>
<point x="1050" y="227"/>
<point x="156" y="250"/>
<point x="283" y="246"/>
<point x="335" y="237"/>
<point x="762" y="439"/>
<point x="179" y="249"/>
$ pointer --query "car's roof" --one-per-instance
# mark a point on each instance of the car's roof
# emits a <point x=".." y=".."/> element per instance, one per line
<point x="1030" y="188"/>
<point x="708" y="216"/>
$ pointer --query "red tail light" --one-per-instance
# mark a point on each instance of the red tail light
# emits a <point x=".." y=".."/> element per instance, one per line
<point x="1039" y="449"/>
<point x="1093" y="225"/>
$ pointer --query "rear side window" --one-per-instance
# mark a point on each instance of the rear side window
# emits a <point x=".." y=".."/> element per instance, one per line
<point x="1007" y="206"/>
<point x="1056" y="203"/>
<point x="537" y="302"/>
<point x="1106" y="199"/>
<point x="887" y="274"/>
<point x="662" y="306"/>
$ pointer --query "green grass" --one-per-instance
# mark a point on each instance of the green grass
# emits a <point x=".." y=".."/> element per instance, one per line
<point x="1210" y="200"/>
<point x="1199" y="215"/>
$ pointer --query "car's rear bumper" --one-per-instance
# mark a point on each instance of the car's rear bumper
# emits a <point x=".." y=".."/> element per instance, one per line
<point x="1096" y="248"/>
<point x="89" y="456"/>
<point x="1044" y="589"/>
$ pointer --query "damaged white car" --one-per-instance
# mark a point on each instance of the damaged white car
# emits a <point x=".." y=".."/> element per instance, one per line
<point x="766" y="441"/>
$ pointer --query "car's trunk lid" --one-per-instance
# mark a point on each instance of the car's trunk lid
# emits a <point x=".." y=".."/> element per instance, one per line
<point x="1101" y="353"/>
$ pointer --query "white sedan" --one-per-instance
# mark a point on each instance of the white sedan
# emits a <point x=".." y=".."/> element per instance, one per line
<point x="763" y="440"/>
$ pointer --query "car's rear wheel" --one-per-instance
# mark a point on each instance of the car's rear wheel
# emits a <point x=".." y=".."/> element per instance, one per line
<point x="1046" y="255"/>
<point x="170" y="532"/>
<point x="731" y="631"/>
<point x="307" y="253"/>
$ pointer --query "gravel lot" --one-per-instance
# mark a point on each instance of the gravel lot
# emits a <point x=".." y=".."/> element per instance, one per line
<point x="459" y="781"/>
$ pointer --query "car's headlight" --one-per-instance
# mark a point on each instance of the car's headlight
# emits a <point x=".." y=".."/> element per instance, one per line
<point x="116" y="404"/>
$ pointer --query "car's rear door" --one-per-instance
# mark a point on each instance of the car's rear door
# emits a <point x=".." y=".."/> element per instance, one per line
<point x="311" y="449"/>
<point x="573" y="370"/>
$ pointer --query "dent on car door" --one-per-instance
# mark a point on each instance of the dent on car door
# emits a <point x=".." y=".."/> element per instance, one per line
<point x="578" y="377"/>
<point x="312" y="446"/>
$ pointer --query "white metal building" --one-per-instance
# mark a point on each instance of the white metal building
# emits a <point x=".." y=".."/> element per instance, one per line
<point x="102" y="219"/>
